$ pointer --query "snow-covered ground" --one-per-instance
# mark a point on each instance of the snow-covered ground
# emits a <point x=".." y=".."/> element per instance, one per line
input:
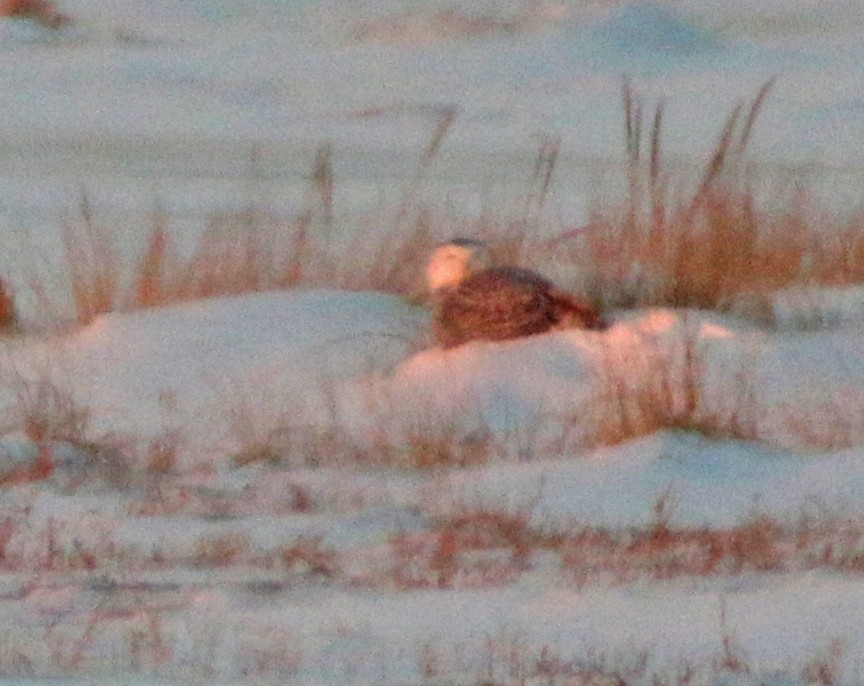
<point x="297" y="487"/>
<point x="318" y="558"/>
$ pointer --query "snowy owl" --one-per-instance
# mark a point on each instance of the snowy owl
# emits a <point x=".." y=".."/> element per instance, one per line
<point x="472" y="300"/>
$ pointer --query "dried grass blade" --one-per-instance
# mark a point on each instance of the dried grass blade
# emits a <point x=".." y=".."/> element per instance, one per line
<point x="627" y="97"/>
<point x="656" y="129"/>
<point x="718" y="160"/>
<point x="445" y="121"/>
<point x="755" y="107"/>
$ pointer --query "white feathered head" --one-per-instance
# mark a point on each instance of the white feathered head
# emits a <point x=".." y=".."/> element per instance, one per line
<point x="452" y="262"/>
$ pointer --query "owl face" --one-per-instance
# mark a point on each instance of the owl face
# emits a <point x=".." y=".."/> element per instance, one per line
<point x="452" y="262"/>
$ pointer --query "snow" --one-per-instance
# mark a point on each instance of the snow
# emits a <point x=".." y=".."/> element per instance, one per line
<point x="196" y="548"/>
<point x="254" y="497"/>
<point x="176" y="95"/>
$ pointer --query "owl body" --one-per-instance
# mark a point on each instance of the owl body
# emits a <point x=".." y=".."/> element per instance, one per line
<point x="474" y="301"/>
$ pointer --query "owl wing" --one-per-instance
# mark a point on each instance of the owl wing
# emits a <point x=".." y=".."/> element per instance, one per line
<point x="495" y="304"/>
<point x="507" y="302"/>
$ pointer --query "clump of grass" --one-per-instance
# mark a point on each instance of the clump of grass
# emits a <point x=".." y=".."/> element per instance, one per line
<point x="508" y="658"/>
<point x="704" y="247"/>
<point x="242" y="253"/>
<point x="149" y="289"/>
<point x="824" y="668"/>
<point x="94" y="265"/>
<point x="695" y="249"/>
<point x="469" y="546"/>
<point x="48" y="412"/>
<point x="662" y="550"/>
<point x="652" y="381"/>
<point x="430" y="449"/>
<point x="45" y="410"/>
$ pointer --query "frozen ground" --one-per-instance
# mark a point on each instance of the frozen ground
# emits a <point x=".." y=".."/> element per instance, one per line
<point x="293" y="488"/>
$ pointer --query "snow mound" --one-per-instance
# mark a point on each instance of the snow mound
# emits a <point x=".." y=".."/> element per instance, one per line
<point x="183" y="366"/>
<point x="652" y="370"/>
<point x="324" y="359"/>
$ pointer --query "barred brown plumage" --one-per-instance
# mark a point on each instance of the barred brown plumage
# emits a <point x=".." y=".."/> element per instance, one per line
<point x="472" y="300"/>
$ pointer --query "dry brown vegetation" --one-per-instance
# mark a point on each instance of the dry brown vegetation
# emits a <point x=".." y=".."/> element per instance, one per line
<point x="8" y="316"/>
<point x="482" y="548"/>
<point x="673" y="396"/>
<point x="669" y="242"/>
<point x="459" y="546"/>
<point x="509" y="659"/>
<point x="245" y="252"/>
<point x="44" y="409"/>
<point x="93" y="263"/>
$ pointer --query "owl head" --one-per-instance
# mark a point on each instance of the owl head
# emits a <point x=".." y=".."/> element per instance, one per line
<point x="452" y="262"/>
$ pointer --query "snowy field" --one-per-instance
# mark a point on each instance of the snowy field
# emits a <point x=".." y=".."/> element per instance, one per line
<point x="265" y="500"/>
<point x="298" y="487"/>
